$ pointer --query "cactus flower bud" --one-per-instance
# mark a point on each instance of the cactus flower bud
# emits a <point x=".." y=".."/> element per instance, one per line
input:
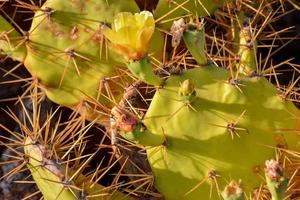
<point x="187" y="91"/>
<point x="233" y="191"/>
<point x="277" y="182"/>
<point x="187" y="88"/>
<point x="273" y="169"/>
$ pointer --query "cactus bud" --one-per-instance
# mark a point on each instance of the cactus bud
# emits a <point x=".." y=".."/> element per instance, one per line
<point x="233" y="191"/>
<point x="187" y="90"/>
<point x="276" y="181"/>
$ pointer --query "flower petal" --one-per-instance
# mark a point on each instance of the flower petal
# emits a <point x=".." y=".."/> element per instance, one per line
<point x="123" y="19"/>
<point x="131" y="34"/>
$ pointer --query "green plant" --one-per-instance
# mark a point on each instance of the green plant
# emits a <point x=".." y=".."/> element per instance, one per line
<point x="53" y="151"/>
<point x="219" y="131"/>
<point x="207" y="131"/>
<point x="206" y="126"/>
<point x="65" y="46"/>
<point x="66" y="51"/>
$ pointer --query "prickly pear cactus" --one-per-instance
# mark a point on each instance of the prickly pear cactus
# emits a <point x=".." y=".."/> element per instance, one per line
<point x="65" y="47"/>
<point x="54" y="151"/>
<point x="55" y="181"/>
<point x="222" y="130"/>
<point x="172" y="9"/>
<point x="208" y="128"/>
<point x="66" y="51"/>
<point x="209" y="132"/>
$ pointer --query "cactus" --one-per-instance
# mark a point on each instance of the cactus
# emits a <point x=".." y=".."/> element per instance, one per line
<point x="53" y="152"/>
<point x="207" y="126"/>
<point x="11" y="47"/>
<point x="54" y="182"/>
<point x="67" y="38"/>
<point x="46" y="173"/>
<point x="277" y="182"/>
<point x="66" y="51"/>
<point x="169" y="10"/>
<point x="233" y="191"/>
<point x="222" y="128"/>
<point x="209" y="132"/>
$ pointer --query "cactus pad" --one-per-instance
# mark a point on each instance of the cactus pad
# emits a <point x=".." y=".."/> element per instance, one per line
<point x="226" y="132"/>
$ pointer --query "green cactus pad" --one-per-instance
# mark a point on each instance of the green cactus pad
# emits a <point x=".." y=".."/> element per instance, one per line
<point x="225" y="133"/>
<point x="11" y="41"/>
<point x="66" y="50"/>
<point x="143" y="70"/>
<point x="48" y="177"/>
<point x="195" y="41"/>
<point x="167" y="10"/>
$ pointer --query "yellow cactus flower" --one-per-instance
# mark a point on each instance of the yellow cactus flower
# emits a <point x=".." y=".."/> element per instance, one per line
<point x="130" y="34"/>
